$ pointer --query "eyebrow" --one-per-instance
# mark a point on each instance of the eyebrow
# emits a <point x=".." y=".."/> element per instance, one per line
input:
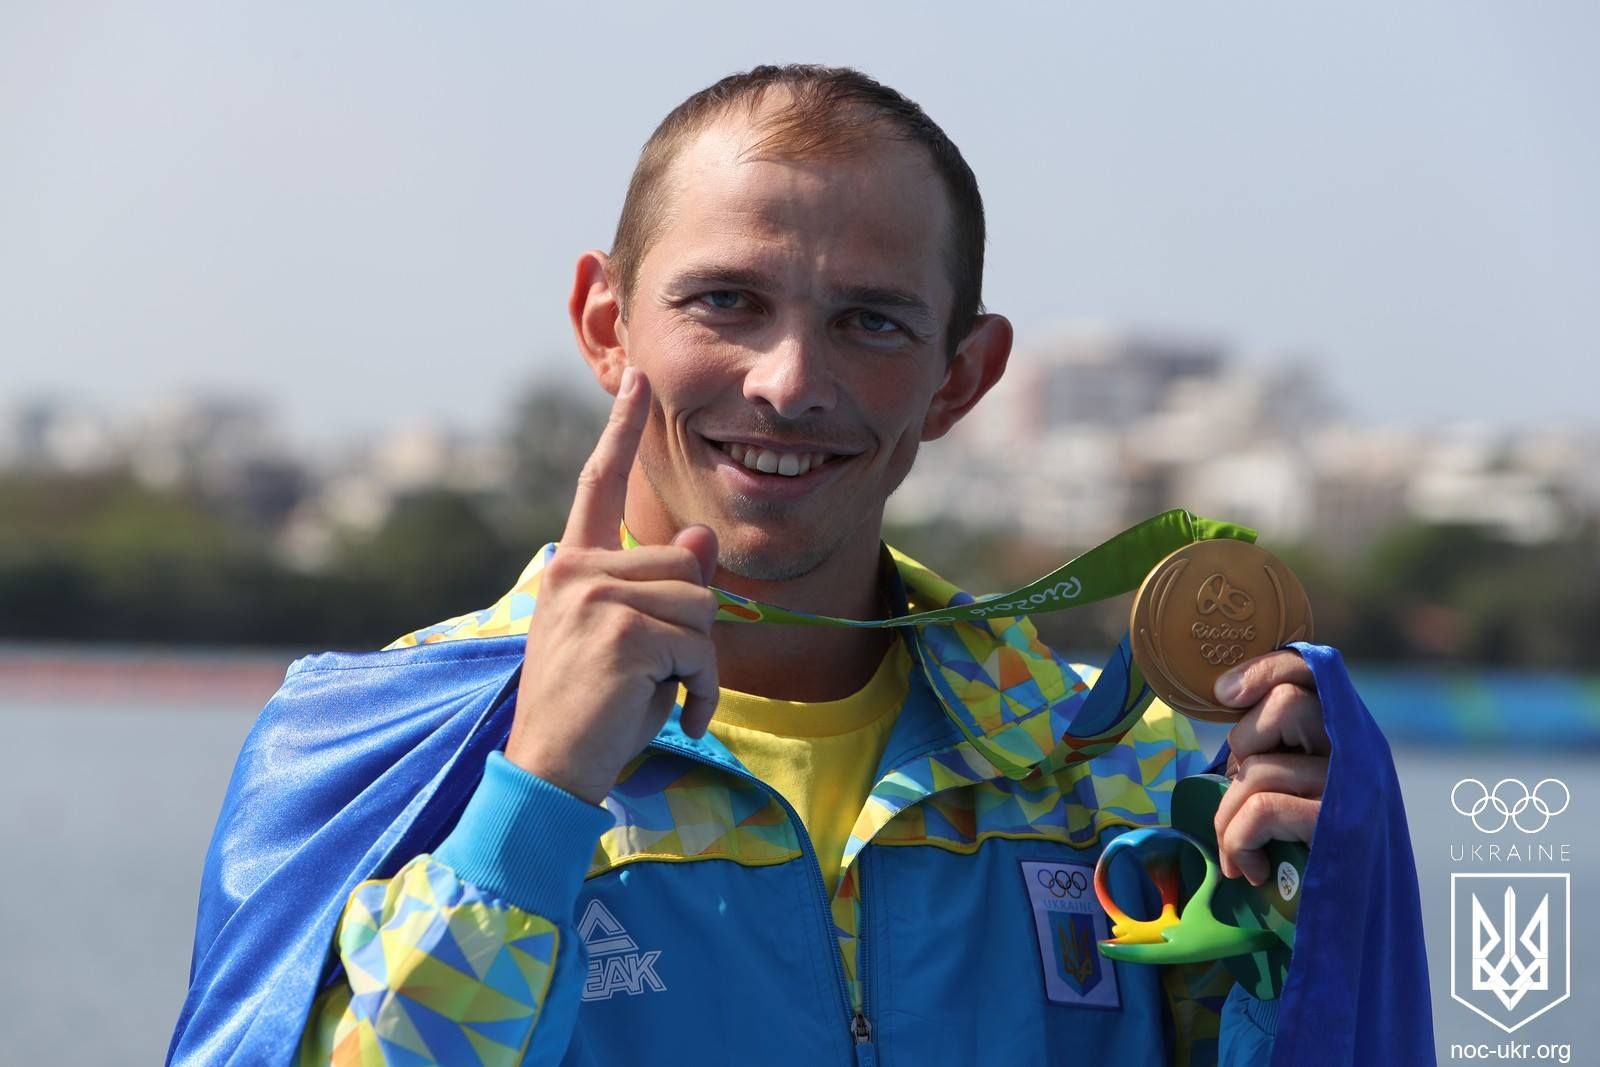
<point x="883" y="296"/>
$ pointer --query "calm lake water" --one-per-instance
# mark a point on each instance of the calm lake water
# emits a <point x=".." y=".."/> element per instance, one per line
<point x="109" y="799"/>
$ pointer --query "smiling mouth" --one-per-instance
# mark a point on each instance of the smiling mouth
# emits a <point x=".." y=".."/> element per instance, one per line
<point x="766" y="461"/>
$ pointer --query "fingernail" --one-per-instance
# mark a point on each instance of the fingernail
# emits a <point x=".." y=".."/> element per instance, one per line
<point x="630" y="378"/>
<point x="1230" y="687"/>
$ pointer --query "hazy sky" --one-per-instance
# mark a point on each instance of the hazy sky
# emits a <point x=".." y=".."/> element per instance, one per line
<point x="370" y="211"/>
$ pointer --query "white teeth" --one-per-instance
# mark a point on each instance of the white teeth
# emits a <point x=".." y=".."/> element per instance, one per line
<point x="785" y="464"/>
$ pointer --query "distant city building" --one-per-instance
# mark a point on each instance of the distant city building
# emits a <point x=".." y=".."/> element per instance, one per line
<point x="1090" y="431"/>
<point x="50" y="435"/>
<point x="1477" y="477"/>
<point x="1093" y="430"/>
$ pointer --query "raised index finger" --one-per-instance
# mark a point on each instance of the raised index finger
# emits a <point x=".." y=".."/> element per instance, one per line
<point x="603" y="483"/>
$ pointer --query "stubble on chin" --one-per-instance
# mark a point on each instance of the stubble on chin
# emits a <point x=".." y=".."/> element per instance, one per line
<point x="772" y="565"/>
<point x="767" y="562"/>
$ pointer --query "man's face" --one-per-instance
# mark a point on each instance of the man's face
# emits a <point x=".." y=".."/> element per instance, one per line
<point x="791" y="317"/>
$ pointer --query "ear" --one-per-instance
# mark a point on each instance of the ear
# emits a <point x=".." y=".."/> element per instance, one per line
<point x="595" y="308"/>
<point x="979" y="362"/>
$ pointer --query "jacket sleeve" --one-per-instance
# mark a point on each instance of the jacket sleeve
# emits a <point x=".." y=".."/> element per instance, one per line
<point x="467" y="955"/>
<point x="1248" y="1028"/>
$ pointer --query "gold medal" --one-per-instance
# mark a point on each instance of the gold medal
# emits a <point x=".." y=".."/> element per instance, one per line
<point x="1206" y="608"/>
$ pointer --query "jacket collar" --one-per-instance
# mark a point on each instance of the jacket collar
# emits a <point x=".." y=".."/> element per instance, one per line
<point x="1022" y="707"/>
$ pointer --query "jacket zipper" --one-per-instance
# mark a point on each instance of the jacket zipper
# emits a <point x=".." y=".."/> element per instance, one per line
<point x="860" y="1029"/>
<point x="860" y="1025"/>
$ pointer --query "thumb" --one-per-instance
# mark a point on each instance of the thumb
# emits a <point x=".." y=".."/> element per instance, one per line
<point x="702" y="541"/>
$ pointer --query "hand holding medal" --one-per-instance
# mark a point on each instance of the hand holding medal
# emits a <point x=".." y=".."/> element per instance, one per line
<point x="1205" y="626"/>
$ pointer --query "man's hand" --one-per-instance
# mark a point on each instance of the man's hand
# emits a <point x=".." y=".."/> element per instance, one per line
<point x="613" y="632"/>
<point x="1278" y="761"/>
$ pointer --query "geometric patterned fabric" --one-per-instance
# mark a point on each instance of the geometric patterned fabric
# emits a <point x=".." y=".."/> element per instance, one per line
<point x="1130" y="786"/>
<point x="438" y="972"/>
<point x="671" y="809"/>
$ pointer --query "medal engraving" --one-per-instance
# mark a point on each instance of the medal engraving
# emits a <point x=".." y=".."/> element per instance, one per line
<point x="1207" y="607"/>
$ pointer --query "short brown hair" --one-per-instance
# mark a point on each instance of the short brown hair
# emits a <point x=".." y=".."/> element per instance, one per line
<point x="831" y="112"/>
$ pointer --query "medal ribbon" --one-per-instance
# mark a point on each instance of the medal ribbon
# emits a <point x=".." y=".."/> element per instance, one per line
<point x="1110" y="569"/>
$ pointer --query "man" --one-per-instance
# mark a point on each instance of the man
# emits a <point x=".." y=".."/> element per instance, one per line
<point x="594" y="824"/>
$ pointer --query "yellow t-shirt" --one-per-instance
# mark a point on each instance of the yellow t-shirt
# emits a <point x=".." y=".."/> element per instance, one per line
<point x="819" y="756"/>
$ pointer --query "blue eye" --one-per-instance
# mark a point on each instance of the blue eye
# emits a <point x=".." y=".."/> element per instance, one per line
<point x="722" y="299"/>
<point x="873" y="322"/>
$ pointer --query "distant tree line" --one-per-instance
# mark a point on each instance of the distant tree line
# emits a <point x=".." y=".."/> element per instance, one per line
<point x="102" y="558"/>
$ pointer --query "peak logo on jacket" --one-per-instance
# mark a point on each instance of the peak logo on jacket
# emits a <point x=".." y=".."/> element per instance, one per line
<point x="615" y="963"/>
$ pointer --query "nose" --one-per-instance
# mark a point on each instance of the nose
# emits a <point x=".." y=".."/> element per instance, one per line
<point x="792" y="376"/>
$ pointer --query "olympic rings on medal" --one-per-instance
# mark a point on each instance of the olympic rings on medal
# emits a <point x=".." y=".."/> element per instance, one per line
<point x="1063" y="883"/>
<point x="1221" y="655"/>
<point x="1510" y="813"/>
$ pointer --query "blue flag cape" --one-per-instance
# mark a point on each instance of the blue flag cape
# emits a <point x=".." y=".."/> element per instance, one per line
<point x="362" y="761"/>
